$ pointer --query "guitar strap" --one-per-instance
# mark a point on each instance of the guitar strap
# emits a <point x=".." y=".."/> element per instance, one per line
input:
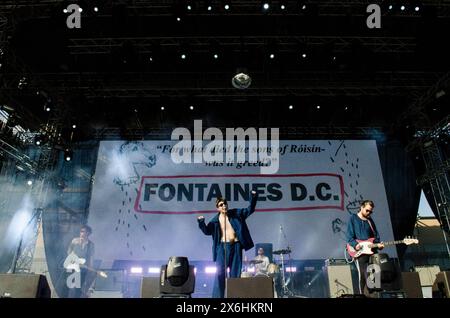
<point x="371" y="227"/>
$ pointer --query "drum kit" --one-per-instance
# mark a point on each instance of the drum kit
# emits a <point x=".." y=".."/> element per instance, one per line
<point x="273" y="270"/>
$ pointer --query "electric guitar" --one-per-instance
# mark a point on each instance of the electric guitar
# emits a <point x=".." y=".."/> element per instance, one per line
<point x="368" y="245"/>
<point x="73" y="262"/>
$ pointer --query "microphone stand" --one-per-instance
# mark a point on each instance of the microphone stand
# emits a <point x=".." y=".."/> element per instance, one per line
<point x="286" y="290"/>
<point x="225" y="247"/>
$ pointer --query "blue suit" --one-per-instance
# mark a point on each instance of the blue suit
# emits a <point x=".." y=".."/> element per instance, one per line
<point x="237" y="219"/>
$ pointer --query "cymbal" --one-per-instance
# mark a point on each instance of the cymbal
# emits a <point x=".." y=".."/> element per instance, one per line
<point x="285" y="251"/>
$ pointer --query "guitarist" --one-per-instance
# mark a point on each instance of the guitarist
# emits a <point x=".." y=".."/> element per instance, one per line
<point x="362" y="227"/>
<point x="83" y="247"/>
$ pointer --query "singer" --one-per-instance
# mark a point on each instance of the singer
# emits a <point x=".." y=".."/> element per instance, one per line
<point x="230" y="235"/>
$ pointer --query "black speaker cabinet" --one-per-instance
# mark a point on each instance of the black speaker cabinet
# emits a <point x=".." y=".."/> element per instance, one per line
<point x="24" y="286"/>
<point x="411" y="285"/>
<point x="250" y="287"/>
<point x="150" y="287"/>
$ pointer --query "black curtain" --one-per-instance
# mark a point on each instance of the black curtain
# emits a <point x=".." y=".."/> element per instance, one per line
<point x="403" y="194"/>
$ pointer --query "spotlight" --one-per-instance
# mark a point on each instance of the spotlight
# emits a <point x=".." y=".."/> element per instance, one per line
<point x="30" y="182"/>
<point x="291" y="106"/>
<point x="208" y="5"/>
<point x="191" y="107"/>
<point x="265" y="5"/>
<point x="241" y="80"/>
<point x="40" y="139"/>
<point x="402" y="8"/>
<point x="74" y="126"/>
<point x="318" y="106"/>
<point x="68" y="154"/>
<point x="226" y="5"/>
<point x="162" y="107"/>
<point x="177" y="278"/>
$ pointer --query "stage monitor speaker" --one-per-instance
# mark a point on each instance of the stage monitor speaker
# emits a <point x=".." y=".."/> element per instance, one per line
<point x="24" y="286"/>
<point x="250" y="287"/>
<point x="339" y="280"/>
<point x="411" y="285"/>
<point x="441" y="285"/>
<point x="150" y="287"/>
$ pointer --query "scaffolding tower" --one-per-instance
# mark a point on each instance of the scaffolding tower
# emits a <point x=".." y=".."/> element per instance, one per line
<point x="437" y="172"/>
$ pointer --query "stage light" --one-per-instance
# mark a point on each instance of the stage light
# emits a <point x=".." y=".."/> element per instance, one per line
<point x="40" y="139"/>
<point x="291" y="106"/>
<point x="226" y="5"/>
<point x="265" y="5"/>
<point x="74" y="126"/>
<point x="191" y="107"/>
<point x="241" y="80"/>
<point x="208" y="5"/>
<point x="210" y="270"/>
<point x="30" y="182"/>
<point x="402" y="8"/>
<point x="68" y="154"/>
<point x="177" y="278"/>
<point x="154" y="270"/>
<point x="304" y="55"/>
<point x="318" y="106"/>
<point x="162" y="108"/>
<point x="136" y="270"/>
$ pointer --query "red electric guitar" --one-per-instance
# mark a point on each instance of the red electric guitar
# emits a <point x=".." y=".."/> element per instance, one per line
<point x="368" y="245"/>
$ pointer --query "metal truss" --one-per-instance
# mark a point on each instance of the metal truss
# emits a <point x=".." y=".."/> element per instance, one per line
<point x="157" y="84"/>
<point x="239" y="7"/>
<point x="331" y="132"/>
<point x="437" y="173"/>
<point x="416" y="115"/>
<point x="340" y="44"/>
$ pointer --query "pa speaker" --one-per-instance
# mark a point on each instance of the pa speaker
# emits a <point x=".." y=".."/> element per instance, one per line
<point x="411" y="285"/>
<point x="340" y="280"/>
<point x="441" y="285"/>
<point x="250" y="287"/>
<point x="24" y="286"/>
<point x="150" y="287"/>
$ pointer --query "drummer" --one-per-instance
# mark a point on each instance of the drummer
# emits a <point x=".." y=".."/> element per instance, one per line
<point x="262" y="262"/>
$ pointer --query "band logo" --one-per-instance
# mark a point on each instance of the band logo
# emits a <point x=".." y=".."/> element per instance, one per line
<point x="280" y="193"/>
